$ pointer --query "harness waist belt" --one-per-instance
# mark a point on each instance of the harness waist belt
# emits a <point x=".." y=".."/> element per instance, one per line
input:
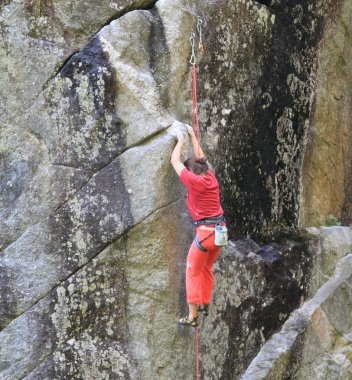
<point x="214" y="220"/>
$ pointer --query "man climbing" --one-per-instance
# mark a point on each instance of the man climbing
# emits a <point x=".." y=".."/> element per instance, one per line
<point x="204" y="206"/>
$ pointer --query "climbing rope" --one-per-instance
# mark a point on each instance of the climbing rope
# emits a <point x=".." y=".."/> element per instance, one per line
<point x="197" y="354"/>
<point x="195" y="126"/>
<point x="195" y="117"/>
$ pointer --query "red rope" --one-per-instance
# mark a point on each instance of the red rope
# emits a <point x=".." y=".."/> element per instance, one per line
<point x="195" y="126"/>
<point x="195" y="118"/>
<point x="197" y="354"/>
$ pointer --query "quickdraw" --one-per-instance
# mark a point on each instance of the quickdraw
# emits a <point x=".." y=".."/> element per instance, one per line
<point x="199" y="28"/>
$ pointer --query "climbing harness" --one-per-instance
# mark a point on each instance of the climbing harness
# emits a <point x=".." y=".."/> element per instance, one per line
<point x="219" y="231"/>
<point x="220" y="238"/>
<point x="198" y="243"/>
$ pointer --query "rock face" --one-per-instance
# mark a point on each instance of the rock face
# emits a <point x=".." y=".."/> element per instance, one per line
<point x="315" y="342"/>
<point x="327" y="165"/>
<point x="259" y="112"/>
<point x="93" y="225"/>
<point x="256" y="290"/>
<point x="112" y="318"/>
<point x="81" y="175"/>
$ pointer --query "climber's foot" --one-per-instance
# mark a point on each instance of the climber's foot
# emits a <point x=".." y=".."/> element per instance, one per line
<point x="186" y="321"/>
<point x="203" y="309"/>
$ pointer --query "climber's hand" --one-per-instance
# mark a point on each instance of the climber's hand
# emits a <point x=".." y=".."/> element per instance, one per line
<point x="180" y="136"/>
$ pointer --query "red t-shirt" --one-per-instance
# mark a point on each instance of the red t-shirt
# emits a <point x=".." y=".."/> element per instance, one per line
<point x="203" y="199"/>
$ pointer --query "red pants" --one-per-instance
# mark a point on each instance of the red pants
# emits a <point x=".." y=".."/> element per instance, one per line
<point x="199" y="271"/>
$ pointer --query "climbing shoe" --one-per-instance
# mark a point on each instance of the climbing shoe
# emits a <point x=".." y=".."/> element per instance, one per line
<point x="203" y="309"/>
<point x="187" y="322"/>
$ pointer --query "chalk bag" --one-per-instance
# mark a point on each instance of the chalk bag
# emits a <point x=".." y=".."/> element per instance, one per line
<point x="220" y="236"/>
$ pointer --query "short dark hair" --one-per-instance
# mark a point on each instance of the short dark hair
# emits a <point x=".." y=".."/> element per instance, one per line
<point x="197" y="165"/>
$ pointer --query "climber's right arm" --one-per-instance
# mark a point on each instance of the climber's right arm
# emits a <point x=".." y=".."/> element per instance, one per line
<point x="198" y="152"/>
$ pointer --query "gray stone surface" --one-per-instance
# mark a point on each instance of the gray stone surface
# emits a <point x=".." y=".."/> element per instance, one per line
<point x="37" y="38"/>
<point x="78" y="328"/>
<point x="328" y="137"/>
<point x="335" y="243"/>
<point x="315" y="342"/>
<point x="154" y="272"/>
<point x="256" y="289"/>
<point x="113" y="317"/>
<point x="100" y="212"/>
<point x="101" y="120"/>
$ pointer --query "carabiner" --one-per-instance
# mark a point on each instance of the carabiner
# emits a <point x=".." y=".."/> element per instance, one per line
<point x="193" y="56"/>
<point x="199" y="28"/>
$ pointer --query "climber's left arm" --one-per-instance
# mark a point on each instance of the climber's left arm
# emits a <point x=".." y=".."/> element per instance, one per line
<point x="177" y="152"/>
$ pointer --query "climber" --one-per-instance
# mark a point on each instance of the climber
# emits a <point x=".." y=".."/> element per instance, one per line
<point x="204" y="206"/>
